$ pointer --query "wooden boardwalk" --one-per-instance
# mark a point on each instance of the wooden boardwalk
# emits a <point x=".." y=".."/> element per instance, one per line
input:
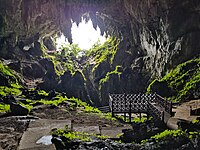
<point x="151" y="104"/>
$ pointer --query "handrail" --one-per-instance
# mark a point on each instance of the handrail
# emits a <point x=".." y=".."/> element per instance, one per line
<point x="132" y="103"/>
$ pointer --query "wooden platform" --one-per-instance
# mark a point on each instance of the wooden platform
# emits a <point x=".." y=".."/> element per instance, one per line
<point x="151" y="104"/>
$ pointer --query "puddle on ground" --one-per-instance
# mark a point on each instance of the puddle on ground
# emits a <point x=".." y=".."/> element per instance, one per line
<point x="46" y="140"/>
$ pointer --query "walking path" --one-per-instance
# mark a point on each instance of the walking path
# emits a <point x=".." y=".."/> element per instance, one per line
<point x="182" y="112"/>
<point x="39" y="133"/>
<point x="38" y="129"/>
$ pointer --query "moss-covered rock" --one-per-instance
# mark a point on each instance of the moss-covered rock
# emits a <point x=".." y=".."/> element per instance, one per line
<point x="181" y="83"/>
<point x="9" y="82"/>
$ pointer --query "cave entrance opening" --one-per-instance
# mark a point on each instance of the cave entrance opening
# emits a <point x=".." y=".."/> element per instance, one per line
<point x="84" y="35"/>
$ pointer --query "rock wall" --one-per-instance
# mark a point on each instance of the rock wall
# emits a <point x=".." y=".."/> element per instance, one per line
<point x="155" y="36"/>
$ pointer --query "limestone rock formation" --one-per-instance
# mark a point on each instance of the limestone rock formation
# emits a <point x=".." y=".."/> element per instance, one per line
<point x="155" y="36"/>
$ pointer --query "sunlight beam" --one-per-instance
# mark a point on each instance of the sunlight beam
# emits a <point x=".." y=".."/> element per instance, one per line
<point x="84" y="35"/>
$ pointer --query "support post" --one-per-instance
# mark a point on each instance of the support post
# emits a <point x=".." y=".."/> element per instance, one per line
<point x="111" y="101"/>
<point x="112" y="109"/>
<point x="171" y="108"/>
<point x="163" y="116"/>
<point x="125" y="117"/>
<point x="130" y="111"/>
<point x="124" y="107"/>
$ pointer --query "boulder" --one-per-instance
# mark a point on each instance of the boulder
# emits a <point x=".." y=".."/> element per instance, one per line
<point x="18" y="110"/>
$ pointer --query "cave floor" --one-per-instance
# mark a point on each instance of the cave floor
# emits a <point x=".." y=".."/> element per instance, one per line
<point x="23" y="135"/>
<point x="59" y="118"/>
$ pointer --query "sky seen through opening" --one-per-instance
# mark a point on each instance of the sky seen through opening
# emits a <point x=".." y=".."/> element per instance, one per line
<point x="84" y="35"/>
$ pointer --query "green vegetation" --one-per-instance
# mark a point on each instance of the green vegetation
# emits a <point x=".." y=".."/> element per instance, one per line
<point x="70" y="135"/>
<point x="139" y="120"/>
<point x="11" y="86"/>
<point x="4" y="91"/>
<point x="195" y="121"/>
<point x="135" y="119"/>
<point x="4" y="108"/>
<point x="100" y="53"/>
<point x="173" y="136"/>
<point x="107" y="116"/>
<point x="42" y="92"/>
<point x="82" y="136"/>
<point x="168" y="134"/>
<point x="117" y="71"/>
<point x="74" y="103"/>
<point x="181" y="81"/>
<point x="5" y="70"/>
<point x="66" y="60"/>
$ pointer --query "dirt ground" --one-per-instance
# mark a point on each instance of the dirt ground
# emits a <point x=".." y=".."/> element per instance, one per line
<point x="12" y="128"/>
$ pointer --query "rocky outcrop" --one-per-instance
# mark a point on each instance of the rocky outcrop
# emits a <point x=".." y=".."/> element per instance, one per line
<point x="181" y="83"/>
<point x="18" y="110"/>
<point x="74" y="85"/>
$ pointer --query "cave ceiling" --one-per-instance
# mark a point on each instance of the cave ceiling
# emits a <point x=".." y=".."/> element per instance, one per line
<point x="51" y="17"/>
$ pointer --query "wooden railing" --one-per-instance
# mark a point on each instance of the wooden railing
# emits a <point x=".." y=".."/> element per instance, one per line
<point x="167" y="105"/>
<point x="155" y="112"/>
<point x="142" y="103"/>
<point x="130" y="102"/>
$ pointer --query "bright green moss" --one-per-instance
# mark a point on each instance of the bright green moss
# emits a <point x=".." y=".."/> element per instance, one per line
<point x="5" y="70"/>
<point x="4" y="108"/>
<point x="74" y="103"/>
<point x="13" y="87"/>
<point x="43" y="93"/>
<point x="173" y="135"/>
<point x="82" y="136"/>
<point x="168" y="134"/>
<point x="117" y="71"/>
<point x="4" y="91"/>
<point x="182" y="80"/>
<point x="103" y="52"/>
<point x="70" y="135"/>
<point x="149" y="89"/>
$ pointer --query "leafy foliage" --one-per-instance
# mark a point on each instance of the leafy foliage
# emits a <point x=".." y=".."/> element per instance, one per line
<point x="139" y="120"/>
<point x="74" y="103"/>
<point x="66" y="59"/>
<point x="107" y="116"/>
